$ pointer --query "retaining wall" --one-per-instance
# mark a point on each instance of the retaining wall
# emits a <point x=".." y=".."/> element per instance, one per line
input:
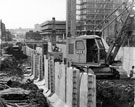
<point x="73" y="88"/>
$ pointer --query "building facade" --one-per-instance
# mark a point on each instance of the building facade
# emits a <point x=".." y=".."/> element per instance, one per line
<point x="53" y="30"/>
<point x="88" y="15"/>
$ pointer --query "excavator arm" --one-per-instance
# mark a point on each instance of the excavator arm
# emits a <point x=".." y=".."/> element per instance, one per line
<point x="123" y="33"/>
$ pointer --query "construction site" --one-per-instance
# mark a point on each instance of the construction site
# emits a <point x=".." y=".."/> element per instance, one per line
<point x="92" y="67"/>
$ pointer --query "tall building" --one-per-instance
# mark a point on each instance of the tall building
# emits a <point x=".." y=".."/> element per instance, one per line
<point x="86" y="15"/>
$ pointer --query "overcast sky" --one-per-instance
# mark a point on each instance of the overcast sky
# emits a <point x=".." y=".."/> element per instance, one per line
<point x="26" y="13"/>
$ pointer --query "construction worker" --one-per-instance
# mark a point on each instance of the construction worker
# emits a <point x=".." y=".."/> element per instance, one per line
<point x="132" y="71"/>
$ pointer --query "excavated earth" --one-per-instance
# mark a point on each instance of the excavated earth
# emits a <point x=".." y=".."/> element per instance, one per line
<point x="16" y="94"/>
<point x="115" y="93"/>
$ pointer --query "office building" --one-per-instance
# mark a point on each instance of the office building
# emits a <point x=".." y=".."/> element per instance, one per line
<point x="53" y="29"/>
<point x="86" y="15"/>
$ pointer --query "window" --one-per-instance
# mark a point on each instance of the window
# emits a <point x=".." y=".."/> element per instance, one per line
<point x="78" y="12"/>
<point x="78" y="7"/>
<point x="84" y="11"/>
<point x="80" y="45"/>
<point x="78" y="1"/>
<point x="71" y="49"/>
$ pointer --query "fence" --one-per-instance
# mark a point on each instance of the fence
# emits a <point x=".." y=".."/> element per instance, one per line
<point x="74" y="88"/>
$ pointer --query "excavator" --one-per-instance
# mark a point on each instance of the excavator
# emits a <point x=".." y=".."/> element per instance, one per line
<point x="89" y="51"/>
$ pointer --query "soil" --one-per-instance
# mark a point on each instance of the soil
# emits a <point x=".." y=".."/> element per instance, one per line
<point x="115" y="93"/>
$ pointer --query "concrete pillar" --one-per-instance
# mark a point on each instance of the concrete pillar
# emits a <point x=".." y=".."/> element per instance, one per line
<point x="72" y="87"/>
<point x="46" y="72"/>
<point x="36" y="67"/>
<point x="75" y="93"/>
<point x="32" y="63"/>
<point x="57" y="76"/>
<point x="52" y="70"/>
<point x="69" y="87"/>
<point x="34" y="70"/>
<point x="60" y="80"/>
<point x="51" y="73"/>
<point x="44" y="66"/>
<point x="88" y="94"/>
<point x="41" y="67"/>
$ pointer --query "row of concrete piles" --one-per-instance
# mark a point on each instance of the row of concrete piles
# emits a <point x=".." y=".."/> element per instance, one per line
<point x="63" y="86"/>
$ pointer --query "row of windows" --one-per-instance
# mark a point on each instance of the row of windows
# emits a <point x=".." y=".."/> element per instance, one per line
<point x="99" y="1"/>
<point x="94" y="10"/>
<point x="80" y="1"/>
<point x="91" y="17"/>
<point x="91" y="27"/>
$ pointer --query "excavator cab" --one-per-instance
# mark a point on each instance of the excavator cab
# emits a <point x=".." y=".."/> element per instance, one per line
<point x="86" y="49"/>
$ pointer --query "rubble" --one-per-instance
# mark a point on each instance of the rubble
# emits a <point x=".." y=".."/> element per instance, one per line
<point x="14" y="93"/>
<point x="28" y="93"/>
<point x="25" y="91"/>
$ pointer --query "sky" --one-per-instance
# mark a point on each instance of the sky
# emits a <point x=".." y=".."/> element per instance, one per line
<point x="26" y="13"/>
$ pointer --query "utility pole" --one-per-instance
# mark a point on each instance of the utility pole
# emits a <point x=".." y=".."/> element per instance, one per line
<point x="53" y="36"/>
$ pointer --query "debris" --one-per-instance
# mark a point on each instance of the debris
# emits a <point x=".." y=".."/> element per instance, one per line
<point x="25" y="91"/>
